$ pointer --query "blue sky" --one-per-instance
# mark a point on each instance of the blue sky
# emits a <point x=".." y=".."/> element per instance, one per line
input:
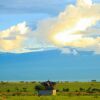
<point x="54" y="64"/>
<point x="49" y="65"/>
<point x="33" y="6"/>
<point x="30" y="11"/>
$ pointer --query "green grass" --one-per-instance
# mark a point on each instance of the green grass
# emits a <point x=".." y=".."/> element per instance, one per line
<point x="73" y="86"/>
<point x="12" y="86"/>
<point x="50" y="98"/>
<point x="61" y="95"/>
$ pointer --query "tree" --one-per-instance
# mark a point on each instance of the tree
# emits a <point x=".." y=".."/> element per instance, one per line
<point x="81" y="90"/>
<point x="8" y="90"/>
<point x="66" y="90"/>
<point x="48" y="85"/>
<point x="17" y="89"/>
<point x="25" y="89"/>
<point x="89" y="90"/>
<point x="39" y="87"/>
<point x="93" y="80"/>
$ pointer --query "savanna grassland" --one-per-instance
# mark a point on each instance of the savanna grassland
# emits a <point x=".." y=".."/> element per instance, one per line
<point x="65" y="91"/>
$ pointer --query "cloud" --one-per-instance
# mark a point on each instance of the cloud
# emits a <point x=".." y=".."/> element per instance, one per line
<point x="69" y="51"/>
<point x="12" y="38"/>
<point x="73" y="28"/>
<point x="20" y="39"/>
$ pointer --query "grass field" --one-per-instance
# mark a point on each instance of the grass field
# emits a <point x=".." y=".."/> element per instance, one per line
<point x="50" y="98"/>
<point x="26" y="91"/>
<point x="30" y="86"/>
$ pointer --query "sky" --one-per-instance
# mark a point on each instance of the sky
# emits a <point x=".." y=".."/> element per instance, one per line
<point x="49" y="39"/>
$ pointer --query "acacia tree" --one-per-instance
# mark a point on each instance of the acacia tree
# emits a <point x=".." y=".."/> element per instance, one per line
<point x="48" y="85"/>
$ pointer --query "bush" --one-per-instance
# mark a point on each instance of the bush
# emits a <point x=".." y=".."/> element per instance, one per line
<point x="39" y="87"/>
<point x="66" y="90"/>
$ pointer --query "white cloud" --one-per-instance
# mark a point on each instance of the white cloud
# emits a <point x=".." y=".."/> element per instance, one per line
<point x="72" y="28"/>
<point x="20" y="39"/>
<point x="69" y="51"/>
<point x="66" y="51"/>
